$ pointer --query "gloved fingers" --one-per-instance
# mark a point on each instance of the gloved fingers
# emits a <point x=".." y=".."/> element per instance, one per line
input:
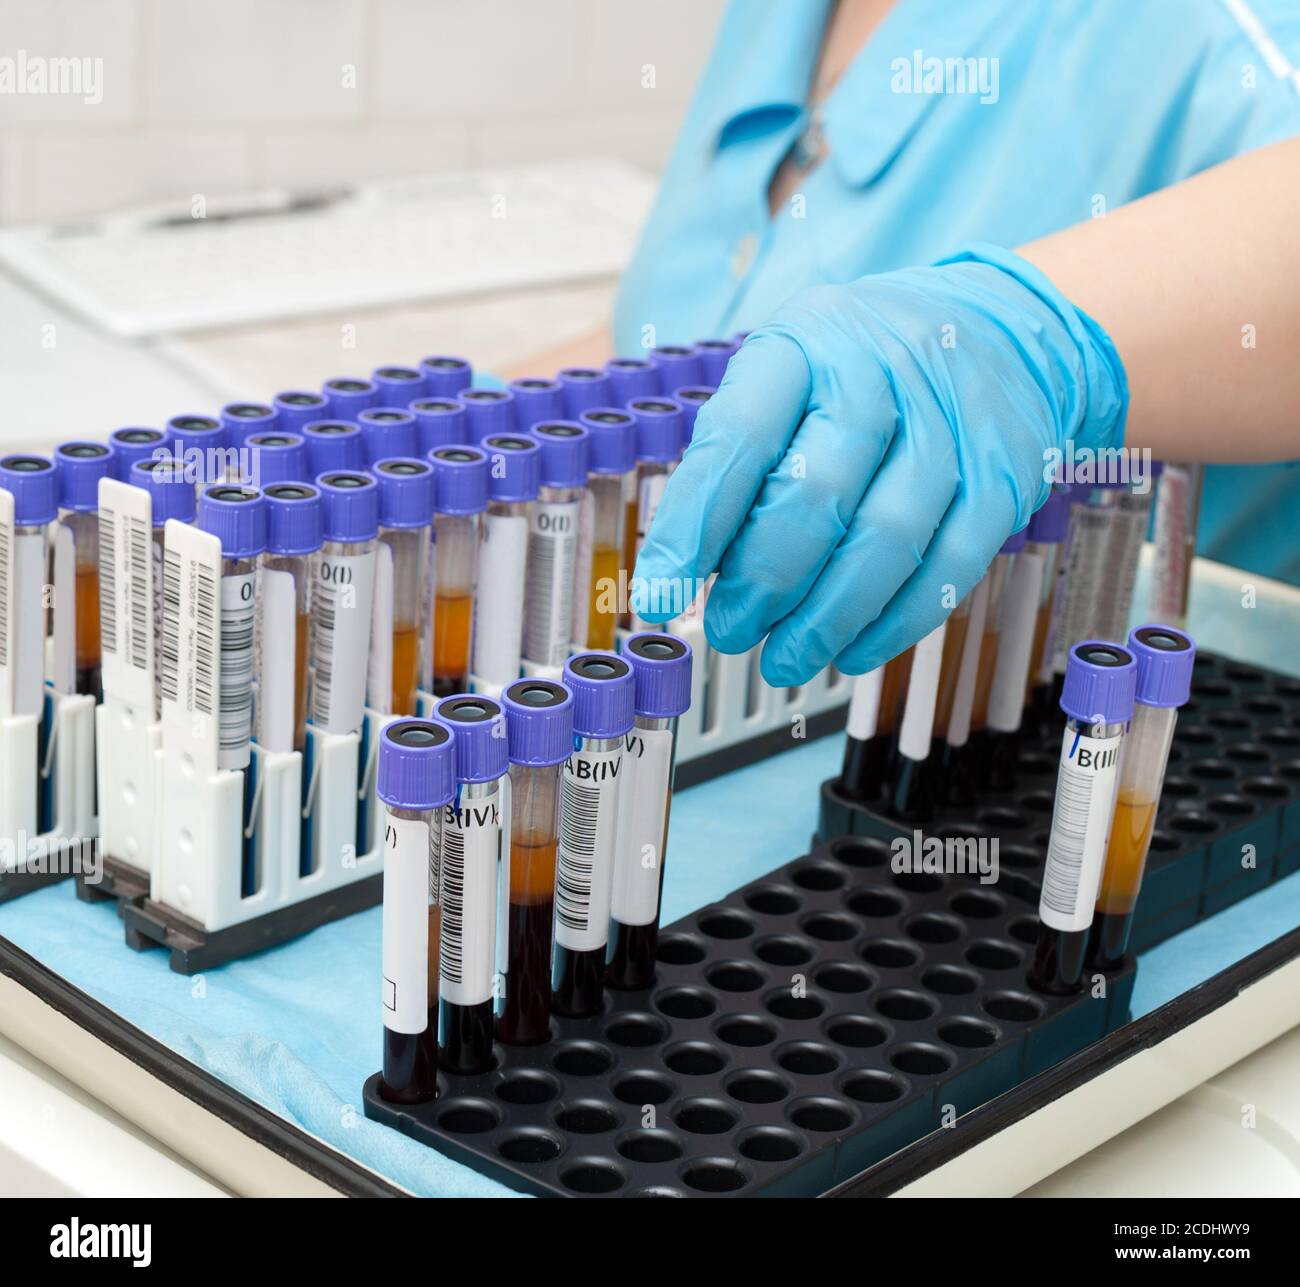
<point x="965" y="544"/>
<point x="889" y="538"/>
<point x="802" y="513"/>
<point x="741" y="435"/>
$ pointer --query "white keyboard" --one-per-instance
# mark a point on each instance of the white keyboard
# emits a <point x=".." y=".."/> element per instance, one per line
<point x="161" y="271"/>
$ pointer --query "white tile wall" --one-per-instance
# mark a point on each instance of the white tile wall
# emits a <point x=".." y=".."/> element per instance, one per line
<point x="215" y="96"/>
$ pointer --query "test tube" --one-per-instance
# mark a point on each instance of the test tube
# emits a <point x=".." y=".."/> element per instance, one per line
<point x="297" y="407"/>
<point x="661" y="670"/>
<point x="1130" y="515"/>
<point x="79" y="466"/>
<point x="514" y="473"/>
<point x="691" y="398"/>
<point x="977" y="764"/>
<point x="953" y="780"/>
<point x="679" y="365"/>
<point x="1098" y="703"/>
<point x="386" y="432"/>
<point x="910" y="774"/>
<point x="1047" y="532"/>
<point x="401" y="575"/>
<point x="1084" y="567"/>
<point x="346" y="397"/>
<point x="659" y="435"/>
<point x="714" y="356"/>
<point x="130" y="445"/>
<point x="632" y="378"/>
<point x="275" y="458"/>
<point x="342" y="599"/>
<point x="539" y="724"/>
<point x="536" y="399"/>
<point x="397" y="386"/>
<point x="584" y="387"/>
<point x="487" y="412"/>
<point x="200" y="447"/>
<point x="444" y="376"/>
<point x="333" y="444"/>
<point x="460" y="497"/>
<point x="954" y="644"/>
<point x="294" y="533"/>
<point x="1165" y="658"/>
<point x="612" y="483"/>
<point x="1178" y="510"/>
<point x="240" y="419"/>
<point x="439" y="422"/>
<point x="604" y="699"/>
<point x="469" y="884"/>
<point x="553" y="544"/>
<point x="874" y="706"/>
<point x="417" y="780"/>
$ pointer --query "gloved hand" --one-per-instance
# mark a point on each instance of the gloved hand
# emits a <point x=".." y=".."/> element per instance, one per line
<point x="869" y="450"/>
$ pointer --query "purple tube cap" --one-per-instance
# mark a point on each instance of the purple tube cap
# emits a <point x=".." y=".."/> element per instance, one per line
<point x="397" y="385"/>
<point x="514" y="467"/>
<point x="236" y="515"/>
<point x="611" y="440"/>
<point x="132" y="443"/>
<point x="565" y="453"/>
<point x="604" y="694"/>
<point x="295" y="516"/>
<point x="1051" y="521"/>
<point x="34" y="484"/>
<point x="481" y="737"/>
<point x="1100" y="679"/>
<point x="585" y="386"/>
<point x="539" y="722"/>
<point x="417" y="764"/>
<point x="439" y="422"/>
<point x="347" y="395"/>
<point x="633" y="378"/>
<point x="242" y="418"/>
<point x="660" y="428"/>
<point x="281" y="457"/>
<point x="171" y="492"/>
<point x="80" y="466"/>
<point x="460" y="479"/>
<point x="1165" y="659"/>
<point x="445" y="375"/>
<point x="661" y="664"/>
<point x="351" y="505"/>
<point x="405" y="491"/>
<point x="296" y="407"/>
<point x="1015" y="542"/>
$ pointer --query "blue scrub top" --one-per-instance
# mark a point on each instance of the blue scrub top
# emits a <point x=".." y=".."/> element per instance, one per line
<point x="1069" y="109"/>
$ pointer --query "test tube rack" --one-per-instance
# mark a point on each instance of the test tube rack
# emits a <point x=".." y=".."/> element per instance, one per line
<point x="806" y="1027"/>
<point x="1231" y="796"/>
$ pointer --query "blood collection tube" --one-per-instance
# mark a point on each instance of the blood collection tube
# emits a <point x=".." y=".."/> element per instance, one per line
<point x="342" y="599"/>
<point x="386" y="432"/>
<point x="469" y="884"/>
<point x="691" y="398"/>
<point x="416" y="781"/>
<point x="200" y="447"/>
<point x="604" y="698"/>
<point x="439" y="422"/>
<point x="584" y="387"/>
<point x="1084" y="560"/>
<point x="130" y="445"/>
<point x="659" y="436"/>
<point x="1046" y="532"/>
<point x="536" y="399"/>
<point x="240" y="419"/>
<point x="1098" y="703"/>
<point x="333" y="444"/>
<point x="276" y="458"/>
<point x="714" y="356"/>
<point x="661" y="669"/>
<point x="910" y="773"/>
<point x="397" y="386"/>
<point x="294" y="533"/>
<point x="1165" y="658"/>
<point x="611" y="481"/>
<point x="632" y="378"/>
<point x="460" y="497"/>
<point x="487" y="412"/>
<point x="954" y="643"/>
<point x="1178" y="510"/>
<point x="954" y="783"/>
<point x="977" y="762"/>
<point x="444" y="376"/>
<point x="553" y="545"/>
<point x="1130" y="514"/>
<point x="679" y="365"/>
<point x="401" y="577"/>
<point x="539" y="723"/>
<point x="874" y="706"/>
<point x="347" y="396"/>
<point x="79" y="467"/>
<point x="297" y="407"/>
<point x="514" y="474"/>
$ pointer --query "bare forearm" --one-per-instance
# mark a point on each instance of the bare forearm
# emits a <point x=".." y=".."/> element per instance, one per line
<point x="1197" y="287"/>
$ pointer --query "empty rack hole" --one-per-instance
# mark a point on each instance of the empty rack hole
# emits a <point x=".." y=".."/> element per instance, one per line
<point x="855" y="1032"/>
<point x="829" y="927"/>
<point x="788" y="1005"/>
<point x="636" y="1030"/>
<point x="678" y="949"/>
<point x="685" y="1003"/>
<point x="1024" y="929"/>
<point x="931" y="927"/>
<point x="725" y="924"/>
<point x="469" y="1117"/>
<point x="768" y="1144"/>
<point x="842" y="977"/>
<point x="583" y="1059"/>
<point x="529" y="1145"/>
<point x="746" y="1030"/>
<point x="874" y="903"/>
<point x="860" y="853"/>
<point x="528" y="1087"/>
<point x="769" y="901"/>
<point x="734" y="976"/>
<point x="714" y="1175"/>
<point x="705" y="1117"/>
<point x="873" y="1086"/>
<point x="784" y="951"/>
<point x="756" y="1086"/>
<point x="642" y="1088"/>
<point x="1012" y="1007"/>
<point x="906" y="1006"/>
<point x="650" y="1146"/>
<point x="586" y="1117"/>
<point x="920" y="1060"/>
<point x="818" y="876"/>
<point x="950" y="980"/>
<point x="821" y="1114"/>
<point x="592" y="1177"/>
<point x="989" y="954"/>
<point x="918" y="882"/>
<point x="968" y="1034"/>
<point x="975" y="906"/>
<point x="807" y="1059"/>
<point x="694" y="1059"/>
<point x="890" y="955"/>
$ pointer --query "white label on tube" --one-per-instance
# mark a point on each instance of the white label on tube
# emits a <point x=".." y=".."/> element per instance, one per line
<point x="552" y="555"/>
<point x="471" y="846"/>
<point x="1076" y="851"/>
<point x="342" y="599"/>
<point x="238" y="603"/>
<point x="277" y="697"/>
<point x="650" y="490"/>
<point x="642" y="824"/>
<point x="1173" y="513"/>
<point x="64" y="650"/>
<point x="8" y="586"/>
<point x="499" y="600"/>
<point x="864" y="704"/>
<point x="407" y="861"/>
<point x="126" y="591"/>
<point x="922" y="692"/>
<point x="584" y="867"/>
<point x="1020" y="600"/>
<point x="380" y="674"/>
<point x="1084" y="569"/>
<point x="581" y="625"/>
<point x="963" y="699"/>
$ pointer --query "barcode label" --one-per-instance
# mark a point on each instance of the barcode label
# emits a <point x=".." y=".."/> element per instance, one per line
<point x="499" y="601"/>
<point x="467" y="893"/>
<point x="650" y="490"/>
<point x="343" y="588"/>
<point x="7" y="579"/>
<point x="238" y="603"/>
<point x="585" y="853"/>
<point x="1076" y="850"/>
<point x="107" y="582"/>
<point x="126" y="590"/>
<point x="407" y="860"/>
<point x="642" y="826"/>
<point x="1085" y="558"/>
<point x="548" y="598"/>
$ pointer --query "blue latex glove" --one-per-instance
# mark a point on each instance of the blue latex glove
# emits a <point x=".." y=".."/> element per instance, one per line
<point x="869" y="450"/>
